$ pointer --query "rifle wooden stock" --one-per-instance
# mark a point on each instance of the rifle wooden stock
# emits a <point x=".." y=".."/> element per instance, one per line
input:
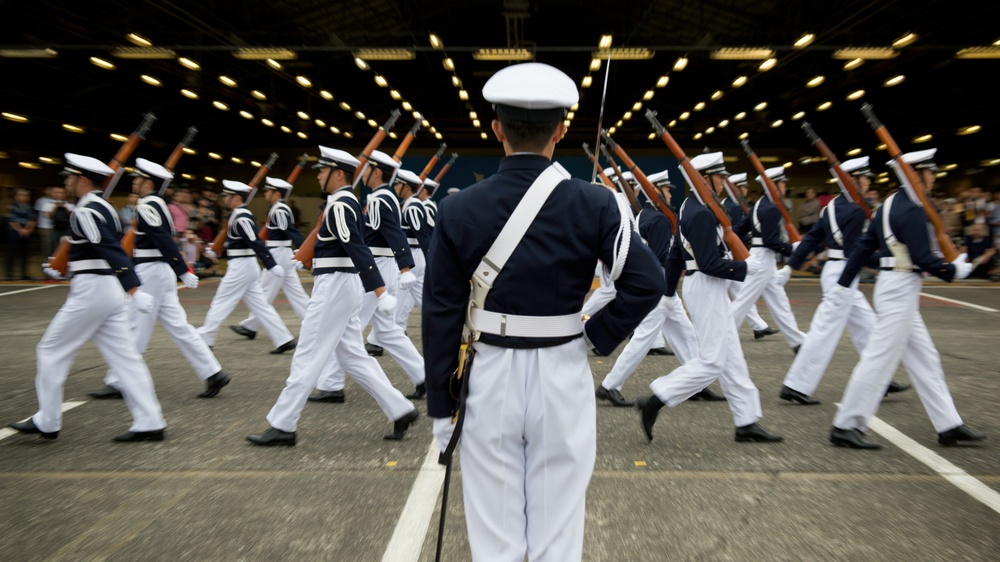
<point x="405" y="144"/>
<point x="604" y="177"/>
<point x="793" y="233"/>
<point x="433" y="162"/>
<point x="220" y="238"/>
<point x="262" y="233"/>
<point x="737" y="194"/>
<point x="845" y="179"/>
<point x="447" y="165"/>
<point x="307" y="250"/>
<point x="947" y="246"/>
<point x="59" y="260"/>
<point x="647" y="186"/>
<point x="707" y="195"/>
<point x="622" y="183"/>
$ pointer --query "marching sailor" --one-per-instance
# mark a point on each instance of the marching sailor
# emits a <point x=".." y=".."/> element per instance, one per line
<point x="732" y="207"/>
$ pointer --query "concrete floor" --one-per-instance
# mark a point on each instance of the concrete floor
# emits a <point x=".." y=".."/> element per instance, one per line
<point x="692" y="494"/>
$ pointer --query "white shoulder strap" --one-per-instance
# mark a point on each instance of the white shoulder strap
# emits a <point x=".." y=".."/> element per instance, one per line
<point x="886" y="229"/>
<point x="831" y="212"/>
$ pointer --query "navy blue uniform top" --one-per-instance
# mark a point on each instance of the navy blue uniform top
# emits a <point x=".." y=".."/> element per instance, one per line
<point x="733" y="209"/>
<point x="96" y="235"/>
<point x="154" y="231"/>
<point x="851" y="221"/>
<point x="281" y="225"/>
<point x="414" y="223"/>
<point x="770" y="227"/>
<point x="908" y="223"/>
<point x="549" y="273"/>
<point x="339" y="236"/>
<point x="384" y="230"/>
<point x="655" y="228"/>
<point x="697" y="224"/>
<point x="241" y="234"/>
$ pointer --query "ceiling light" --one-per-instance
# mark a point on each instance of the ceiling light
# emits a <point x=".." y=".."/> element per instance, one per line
<point x="260" y="95"/>
<point x="432" y="129"/>
<point x="264" y="53"/>
<point x="798" y="116"/>
<point x="14" y="117"/>
<point x="436" y="41"/>
<point x="72" y="128"/>
<point x="334" y="130"/>
<point x="301" y="135"/>
<point x="406" y="106"/>
<point x="255" y="163"/>
<point x="619" y="124"/>
<point x="417" y="115"/>
<point x="448" y="64"/>
<point x="777" y="124"/>
<point x="456" y="81"/>
<point x="303" y="81"/>
<point x="30" y="165"/>
<point x="680" y="64"/>
<point x="326" y="95"/>
<point x="118" y="137"/>
<point x="993" y="162"/>
<point x="246" y="114"/>
<point x="320" y="123"/>
<point x="672" y="123"/>
<point x="867" y="53"/>
<point x="853" y="63"/>
<point x="716" y="95"/>
<point x="709" y="130"/>
<point x="361" y="64"/>
<point x="724" y="123"/>
<point x="482" y="135"/>
<point x="740" y="80"/>
<point x="476" y="123"/>
<point x="697" y="136"/>
<point x="236" y="160"/>
<point x="285" y="129"/>
<point x="898" y="79"/>
<point x="189" y="94"/>
<point x="302" y="115"/>
<point x="394" y="94"/>
<point x="626" y="116"/>
<point x="651" y="136"/>
<point x="949" y="166"/>
<point x="27" y="53"/>
<point x="345" y="106"/>
<point x="648" y="95"/>
<point x="760" y="106"/>
<point x="267" y="122"/>
<point x="188" y="63"/>
<point x="587" y="80"/>
<point x="904" y="40"/>
<point x="804" y="41"/>
<point x="146" y="53"/>
<point x="381" y="81"/>
<point x="612" y="130"/>
<point x="662" y="81"/>
<point x="768" y="64"/>
<point x="215" y="156"/>
<point x="473" y="115"/>
<point x="605" y="42"/>
<point x="824" y="106"/>
<point x="922" y="138"/>
<point x="360" y="115"/>
<point x="106" y="65"/>
<point x="684" y="116"/>
<point x="502" y="55"/>
<point x="881" y="146"/>
<point x="699" y="106"/>
<point x="150" y="80"/>
<point x="637" y="106"/>
<point x="815" y="81"/>
<point x="227" y="81"/>
<point x="220" y="105"/>
<point x="274" y="64"/>
<point x="742" y="53"/>
<point x="992" y="52"/>
<point x="438" y="136"/>
<point x="372" y="123"/>
<point x="856" y="94"/>
<point x="744" y="136"/>
<point x="570" y="115"/>
<point x="463" y="95"/>
<point x="740" y="116"/>
<point x="210" y="179"/>
<point x="595" y="64"/>
<point x="969" y="130"/>
<point x="853" y="152"/>
<point x="385" y="54"/>
<point x="624" y="53"/>
<point x="348" y="135"/>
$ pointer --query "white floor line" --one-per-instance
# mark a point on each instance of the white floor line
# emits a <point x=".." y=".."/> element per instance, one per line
<point x="411" y="528"/>
<point x="960" y="478"/>
<point x="961" y="303"/>
<point x="67" y="406"/>
<point x="31" y="289"/>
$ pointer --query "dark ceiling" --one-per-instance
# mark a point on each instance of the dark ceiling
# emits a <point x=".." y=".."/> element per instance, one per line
<point x="940" y="94"/>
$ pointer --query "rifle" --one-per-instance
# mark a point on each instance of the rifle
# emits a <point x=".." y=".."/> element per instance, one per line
<point x="701" y="191"/>
<point x="843" y="178"/>
<point x="604" y="177"/>
<point x="262" y="234"/>
<point x="220" y="239"/>
<point x="771" y="191"/>
<point x="737" y="195"/>
<point x="621" y="182"/>
<point x="307" y="250"/>
<point x="427" y="169"/>
<point x="437" y="178"/>
<point x="651" y="192"/>
<point x="128" y="241"/>
<point x="59" y="260"/>
<point x="912" y="183"/>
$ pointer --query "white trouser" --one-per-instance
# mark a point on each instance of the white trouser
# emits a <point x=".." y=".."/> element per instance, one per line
<point x="242" y="281"/>
<point x="899" y="329"/>
<point x="159" y="280"/>
<point x="720" y="355"/>
<point x="763" y="284"/>
<point x="753" y="316"/>
<point x="669" y="320"/>
<point x="528" y="449"/>
<point x="290" y="284"/>
<point x="331" y="329"/>
<point x="386" y="334"/>
<point x="95" y="309"/>
<point x="413" y="296"/>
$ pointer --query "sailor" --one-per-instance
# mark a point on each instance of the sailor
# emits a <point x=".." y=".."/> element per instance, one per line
<point x="699" y="249"/>
<point x="899" y="234"/>
<point x="529" y="439"/>
<point x="418" y="234"/>
<point x="430" y="205"/>
<point x="102" y="286"/>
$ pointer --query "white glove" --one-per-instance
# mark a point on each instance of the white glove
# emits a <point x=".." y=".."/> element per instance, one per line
<point x="443" y="430"/>
<point x="673" y="303"/>
<point x="838" y="295"/>
<point x="386" y="303"/>
<point x="783" y="275"/>
<point x="795" y="245"/>
<point x="190" y="280"/>
<point x="299" y="266"/>
<point x="47" y="270"/>
<point x="142" y="301"/>
<point x="754" y="267"/>
<point x="208" y="252"/>
<point x="962" y="266"/>
<point x="406" y="280"/>
<point x="277" y="271"/>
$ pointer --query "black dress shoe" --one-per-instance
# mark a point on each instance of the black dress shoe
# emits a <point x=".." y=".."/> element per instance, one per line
<point x="793" y="395"/>
<point x="795" y="350"/>
<point x="418" y="393"/>
<point x="374" y="350"/>
<point x="248" y="334"/>
<point x="614" y="396"/>
<point x="595" y="352"/>
<point x="28" y="426"/>
<point x="400" y="426"/>
<point x="951" y="437"/>
<point x="272" y="437"/>
<point x="284" y="347"/>
<point x="852" y="438"/>
<point x="896" y="387"/>
<point x="336" y="396"/>
<point x="650" y="408"/>
<point x="659" y="351"/>
<point x="132" y="436"/>
<point x="756" y="432"/>
<point x="707" y="395"/>
<point x="214" y="384"/>
<point x="107" y="393"/>
<point x="759" y="334"/>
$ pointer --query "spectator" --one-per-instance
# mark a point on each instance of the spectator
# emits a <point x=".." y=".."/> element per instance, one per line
<point x="872" y="197"/>
<point x="809" y="211"/>
<point x="824" y="199"/>
<point x="180" y="210"/>
<point x="982" y="254"/>
<point x="57" y="211"/>
<point x="995" y="219"/>
<point x="193" y="249"/>
<point x="296" y="214"/>
<point x="127" y="213"/>
<point x="44" y="225"/>
<point x="19" y="222"/>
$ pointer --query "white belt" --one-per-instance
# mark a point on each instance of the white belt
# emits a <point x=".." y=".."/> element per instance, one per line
<point x="277" y="243"/>
<point x="413" y="241"/>
<point x="332" y="262"/>
<point x="890" y="262"/>
<point x="757" y="241"/>
<point x="240" y="252"/>
<point x="383" y="252"/>
<point x="511" y="325"/>
<point x="835" y="254"/>
<point x="691" y="265"/>
<point x="86" y="265"/>
<point x="141" y="253"/>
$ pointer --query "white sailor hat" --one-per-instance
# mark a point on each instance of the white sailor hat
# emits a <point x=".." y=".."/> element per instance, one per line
<point x="857" y="166"/>
<point x="235" y="187"/>
<point x="710" y="163"/>
<point x="531" y="92"/>
<point x="383" y="161"/>
<point x="145" y="168"/>
<point x="610" y="172"/>
<point x="776" y="174"/>
<point x="86" y="166"/>
<point x="430" y="185"/>
<point x="738" y="179"/>
<point x="277" y="184"/>
<point x="628" y="176"/>
<point x="921" y="159"/>
<point x="408" y="177"/>
<point x="334" y="158"/>
<point x="660" y="179"/>
<point x="453" y="190"/>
